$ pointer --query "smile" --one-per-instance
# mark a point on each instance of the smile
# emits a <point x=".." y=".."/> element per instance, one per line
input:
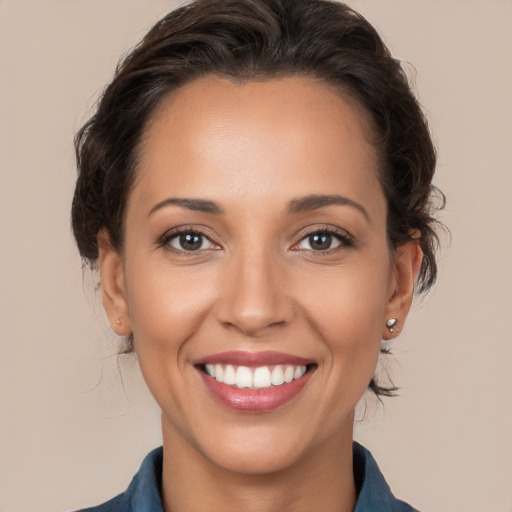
<point x="255" y="378"/>
<point x="255" y="382"/>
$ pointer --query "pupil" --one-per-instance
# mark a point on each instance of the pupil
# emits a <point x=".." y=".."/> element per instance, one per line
<point x="320" y="241"/>
<point x="191" y="241"/>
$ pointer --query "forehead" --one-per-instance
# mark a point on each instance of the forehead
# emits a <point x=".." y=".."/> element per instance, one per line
<point x="213" y="137"/>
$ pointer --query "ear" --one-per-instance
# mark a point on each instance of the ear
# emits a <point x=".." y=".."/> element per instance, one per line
<point x="113" y="285"/>
<point x="406" y="266"/>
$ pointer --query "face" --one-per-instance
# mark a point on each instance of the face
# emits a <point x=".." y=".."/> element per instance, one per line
<point x="256" y="274"/>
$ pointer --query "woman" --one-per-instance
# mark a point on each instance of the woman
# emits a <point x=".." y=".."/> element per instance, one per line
<point x="255" y="189"/>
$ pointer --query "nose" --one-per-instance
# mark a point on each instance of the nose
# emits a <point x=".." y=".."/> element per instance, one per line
<point x="253" y="295"/>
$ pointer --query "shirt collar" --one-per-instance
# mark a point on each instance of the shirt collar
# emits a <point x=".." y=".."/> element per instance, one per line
<point x="374" y="493"/>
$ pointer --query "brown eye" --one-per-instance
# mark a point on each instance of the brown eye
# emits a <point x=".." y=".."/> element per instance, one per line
<point x="320" y="241"/>
<point x="190" y="242"/>
<point x="324" y="240"/>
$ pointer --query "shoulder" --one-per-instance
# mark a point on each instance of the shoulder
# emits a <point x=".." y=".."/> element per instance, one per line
<point x="374" y="492"/>
<point x="143" y="493"/>
<point x="118" y="504"/>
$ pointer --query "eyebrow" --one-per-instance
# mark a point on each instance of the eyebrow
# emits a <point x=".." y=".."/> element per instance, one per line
<point x="298" y="205"/>
<point x="315" y="202"/>
<point x="198" y="205"/>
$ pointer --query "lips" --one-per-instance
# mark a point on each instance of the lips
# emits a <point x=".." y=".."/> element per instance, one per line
<point x="254" y="382"/>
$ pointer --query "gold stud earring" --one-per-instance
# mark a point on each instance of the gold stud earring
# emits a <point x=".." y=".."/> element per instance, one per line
<point x="391" y="324"/>
<point x="118" y="321"/>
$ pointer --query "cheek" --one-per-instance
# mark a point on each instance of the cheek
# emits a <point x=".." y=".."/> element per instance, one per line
<point x="346" y="307"/>
<point x="167" y="305"/>
<point x="349" y="299"/>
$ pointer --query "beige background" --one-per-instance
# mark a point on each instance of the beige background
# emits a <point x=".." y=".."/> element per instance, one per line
<point x="72" y="432"/>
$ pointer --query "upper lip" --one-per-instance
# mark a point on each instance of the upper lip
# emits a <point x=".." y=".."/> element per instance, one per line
<point x="245" y="358"/>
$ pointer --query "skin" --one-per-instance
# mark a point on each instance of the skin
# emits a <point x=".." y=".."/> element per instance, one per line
<point x="257" y="285"/>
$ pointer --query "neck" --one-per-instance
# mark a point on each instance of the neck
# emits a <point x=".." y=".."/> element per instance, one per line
<point x="322" y="480"/>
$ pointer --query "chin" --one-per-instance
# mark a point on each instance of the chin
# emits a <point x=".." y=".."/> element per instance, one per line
<point x="273" y="446"/>
<point x="263" y="457"/>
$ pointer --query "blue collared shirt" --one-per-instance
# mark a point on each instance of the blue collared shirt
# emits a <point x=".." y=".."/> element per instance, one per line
<point x="143" y="493"/>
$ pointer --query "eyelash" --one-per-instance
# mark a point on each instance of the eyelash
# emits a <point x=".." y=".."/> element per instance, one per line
<point x="346" y="240"/>
<point x="168" y="236"/>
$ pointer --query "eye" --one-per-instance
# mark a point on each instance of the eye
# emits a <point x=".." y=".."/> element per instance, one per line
<point x="323" y="240"/>
<point x="319" y="242"/>
<point x="189" y="241"/>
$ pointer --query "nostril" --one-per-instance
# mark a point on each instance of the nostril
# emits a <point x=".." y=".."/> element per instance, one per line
<point x="252" y="325"/>
<point x="277" y="324"/>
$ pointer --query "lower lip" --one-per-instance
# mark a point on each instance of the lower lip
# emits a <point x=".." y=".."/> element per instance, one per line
<point x="255" y="400"/>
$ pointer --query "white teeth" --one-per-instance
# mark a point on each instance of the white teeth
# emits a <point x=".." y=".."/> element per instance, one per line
<point x="229" y="375"/>
<point x="243" y="377"/>
<point x="262" y="377"/>
<point x="256" y="378"/>
<point x="299" y="372"/>
<point x="288" y="373"/>
<point x="210" y="370"/>
<point x="277" y="376"/>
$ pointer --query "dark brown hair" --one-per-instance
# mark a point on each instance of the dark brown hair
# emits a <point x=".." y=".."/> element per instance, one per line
<point x="257" y="40"/>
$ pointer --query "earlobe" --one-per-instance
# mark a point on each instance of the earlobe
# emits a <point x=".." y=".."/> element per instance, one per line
<point x="113" y="285"/>
<point x="406" y="267"/>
